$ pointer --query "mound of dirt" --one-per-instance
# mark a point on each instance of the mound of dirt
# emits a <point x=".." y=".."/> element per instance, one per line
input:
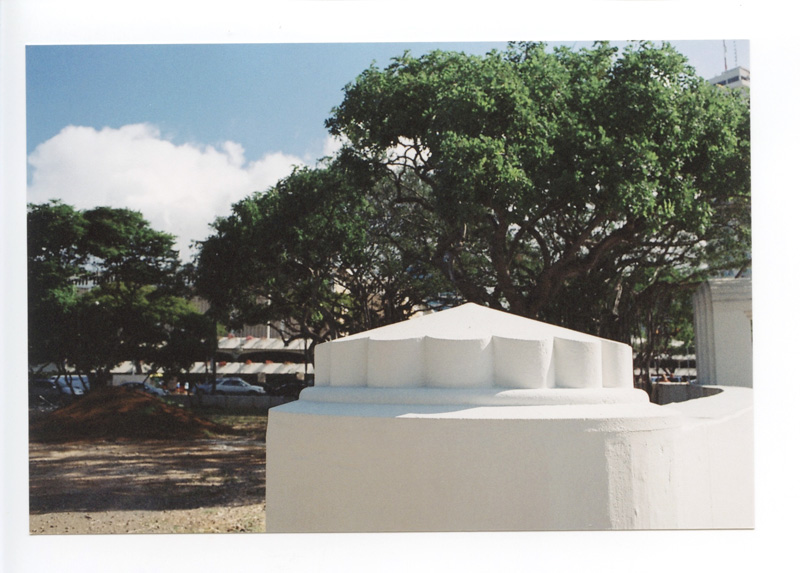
<point x="112" y="413"/>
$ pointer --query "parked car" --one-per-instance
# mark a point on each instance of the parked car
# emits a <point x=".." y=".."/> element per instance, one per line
<point x="231" y="386"/>
<point x="71" y="384"/>
<point x="142" y="386"/>
<point x="44" y="388"/>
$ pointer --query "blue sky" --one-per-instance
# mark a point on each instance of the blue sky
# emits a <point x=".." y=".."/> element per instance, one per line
<point x="268" y="97"/>
<point x="182" y="131"/>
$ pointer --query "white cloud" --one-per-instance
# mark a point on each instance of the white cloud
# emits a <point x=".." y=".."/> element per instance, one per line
<point x="407" y="154"/>
<point x="179" y="189"/>
<point x="324" y="149"/>
<point x="332" y="145"/>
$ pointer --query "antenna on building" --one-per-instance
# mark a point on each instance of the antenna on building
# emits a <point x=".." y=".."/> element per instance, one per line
<point x="735" y="55"/>
<point x="725" y="54"/>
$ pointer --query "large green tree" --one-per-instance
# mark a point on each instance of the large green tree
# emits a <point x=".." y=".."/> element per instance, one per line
<point x="323" y="253"/>
<point x="137" y="297"/>
<point x="577" y="187"/>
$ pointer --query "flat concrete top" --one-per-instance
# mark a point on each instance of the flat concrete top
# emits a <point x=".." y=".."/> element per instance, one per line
<point x="644" y="416"/>
<point x="473" y="396"/>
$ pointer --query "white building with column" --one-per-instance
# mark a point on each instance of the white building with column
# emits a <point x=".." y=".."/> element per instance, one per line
<point x="723" y="326"/>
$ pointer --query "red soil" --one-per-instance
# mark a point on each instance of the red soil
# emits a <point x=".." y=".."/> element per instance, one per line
<point x="112" y="413"/>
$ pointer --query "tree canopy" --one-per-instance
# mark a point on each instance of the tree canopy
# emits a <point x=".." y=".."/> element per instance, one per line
<point x="137" y="299"/>
<point x="319" y="255"/>
<point x="568" y="186"/>
<point x="593" y="189"/>
<point x="54" y="259"/>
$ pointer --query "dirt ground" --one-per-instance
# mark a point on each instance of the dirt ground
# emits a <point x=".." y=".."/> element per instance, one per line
<point x="200" y="482"/>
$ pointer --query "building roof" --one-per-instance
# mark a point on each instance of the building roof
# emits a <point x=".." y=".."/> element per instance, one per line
<point x="734" y="78"/>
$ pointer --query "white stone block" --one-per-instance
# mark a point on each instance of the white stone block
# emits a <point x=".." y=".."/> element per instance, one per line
<point x="589" y="467"/>
<point x="458" y="363"/>
<point x="349" y="362"/>
<point x="520" y="363"/>
<point x="396" y="363"/>
<point x="578" y="363"/>
<point x="494" y="441"/>
<point x="322" y="364"/>
<point x="617" y="364"/>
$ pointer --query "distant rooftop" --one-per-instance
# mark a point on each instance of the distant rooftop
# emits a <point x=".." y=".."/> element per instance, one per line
<point x="734" y="78"/>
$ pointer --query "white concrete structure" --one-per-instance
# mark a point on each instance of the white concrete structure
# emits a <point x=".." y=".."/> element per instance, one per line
<point x="723" y="326"/>
<point x="477" y="420"/>
<point x="473" y="347"/>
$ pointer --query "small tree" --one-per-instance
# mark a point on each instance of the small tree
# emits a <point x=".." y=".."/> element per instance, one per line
<point x="191" y="338"/>
<point x="136" y="299"/>
<point x="319" y="253"/>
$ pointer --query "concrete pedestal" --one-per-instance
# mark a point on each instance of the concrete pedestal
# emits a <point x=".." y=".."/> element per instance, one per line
<point x="355" y="468"/>
<point x="471" y="422"/>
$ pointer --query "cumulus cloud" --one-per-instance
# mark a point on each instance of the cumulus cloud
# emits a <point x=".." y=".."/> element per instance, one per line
<point x="332" y="145"/>
<point x="179" y="189"/>
<point x="407" y="154"/>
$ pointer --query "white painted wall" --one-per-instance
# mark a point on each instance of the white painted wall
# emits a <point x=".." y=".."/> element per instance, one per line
<point x="723" y="310"/>
<point x="119" y="379"/>
<point x="342" y="467"/>
<point x="473" y="347"/>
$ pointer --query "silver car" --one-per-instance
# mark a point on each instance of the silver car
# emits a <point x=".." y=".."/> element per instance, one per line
<point x="232" y="386"/>
<point x="71" y="384"/>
